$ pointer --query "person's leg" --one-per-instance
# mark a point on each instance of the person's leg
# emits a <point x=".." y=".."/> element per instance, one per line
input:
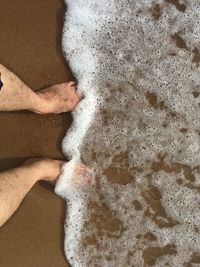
<point x="16" y="95"/>
<point x="15" y="183"/>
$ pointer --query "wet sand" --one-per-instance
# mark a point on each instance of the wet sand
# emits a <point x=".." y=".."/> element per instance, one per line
<point x="31" y="47"/>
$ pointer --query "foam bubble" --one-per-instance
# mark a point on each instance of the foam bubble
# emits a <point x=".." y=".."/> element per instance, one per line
<point x="137" y="63"/>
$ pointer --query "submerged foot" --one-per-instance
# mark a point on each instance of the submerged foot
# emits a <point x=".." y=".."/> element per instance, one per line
<point x="57" y="98"/>
<point x="49" y="170"/>
<point x="75" y="176"/>
<point x="82" y="175"/>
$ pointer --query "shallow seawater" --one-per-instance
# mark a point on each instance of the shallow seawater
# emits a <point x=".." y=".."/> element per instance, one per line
<point x="137" y="63"/>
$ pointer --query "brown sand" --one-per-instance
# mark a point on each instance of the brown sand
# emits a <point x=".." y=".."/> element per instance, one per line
<point x="30" y="46"/>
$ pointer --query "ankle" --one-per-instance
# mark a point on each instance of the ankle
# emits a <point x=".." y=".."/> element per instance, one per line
<point x="28" y="174"/>
<point x="44" y="169"/>
<point x="38" y="104"/>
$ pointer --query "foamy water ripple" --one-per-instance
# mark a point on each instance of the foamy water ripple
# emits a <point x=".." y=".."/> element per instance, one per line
<point x="137" y="63"/>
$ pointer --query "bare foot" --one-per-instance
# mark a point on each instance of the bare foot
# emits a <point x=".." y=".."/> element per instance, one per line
<point x="57" y="98"/>
<point x="82" y="175"/>
<point x="75" y="176"/>
<point x="44" y="169"/>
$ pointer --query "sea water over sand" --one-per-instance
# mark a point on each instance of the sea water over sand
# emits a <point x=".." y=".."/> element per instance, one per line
<point x="137" y="63"/>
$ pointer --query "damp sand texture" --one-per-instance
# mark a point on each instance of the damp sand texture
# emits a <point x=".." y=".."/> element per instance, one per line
<point x="137" y="63"/>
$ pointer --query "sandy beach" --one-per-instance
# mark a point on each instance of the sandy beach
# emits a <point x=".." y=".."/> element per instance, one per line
<point x="31" y="47"/>
<point x="137" y="127"/>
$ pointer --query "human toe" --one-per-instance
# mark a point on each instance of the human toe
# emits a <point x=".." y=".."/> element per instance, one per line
<point x="71" y="83"/>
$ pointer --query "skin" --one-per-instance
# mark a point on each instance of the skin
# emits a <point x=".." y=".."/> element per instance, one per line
<point x="16" y="183"/>
<point x="16" y="95"/>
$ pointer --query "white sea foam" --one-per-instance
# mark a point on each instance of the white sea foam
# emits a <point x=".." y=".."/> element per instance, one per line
<point x="137" y="64"/>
